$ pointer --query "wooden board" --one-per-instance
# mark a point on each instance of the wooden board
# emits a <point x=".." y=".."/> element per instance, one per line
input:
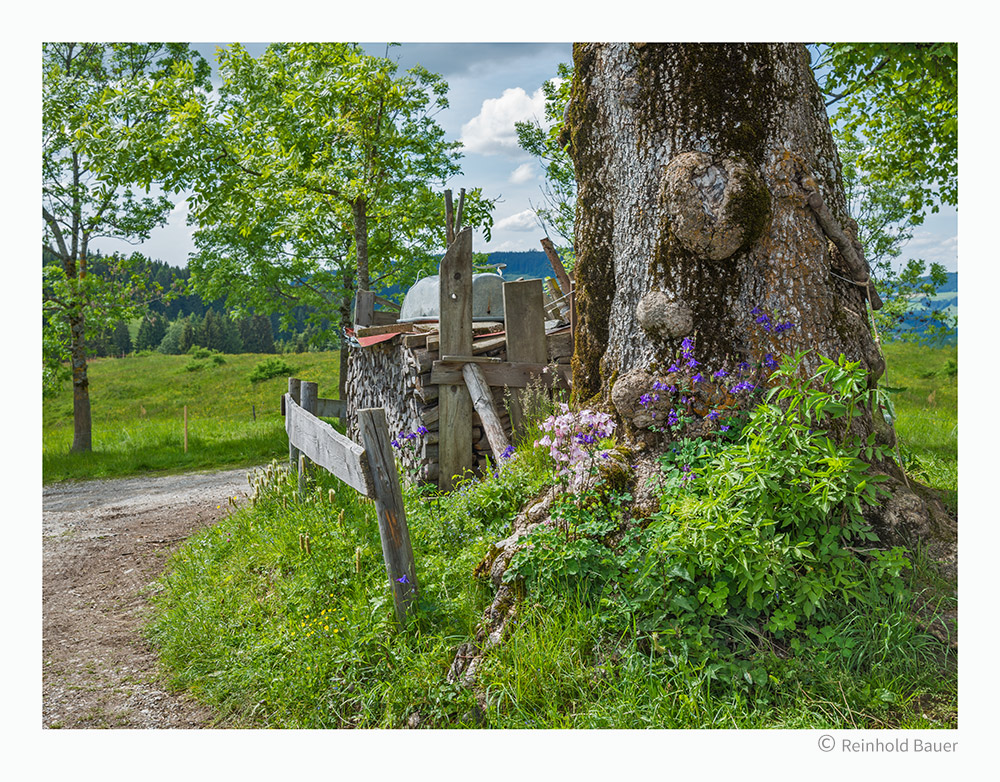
<point x="329" y="408"/>
<point x="505" y="373"/>
<point x="524" y="315"/>
<point x="327" y="447"/>
<point x="455" y="312"/>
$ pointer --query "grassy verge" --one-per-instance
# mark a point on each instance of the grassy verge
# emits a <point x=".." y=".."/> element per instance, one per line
<point x="280" y="616"/>
<point x="137" y="406"/>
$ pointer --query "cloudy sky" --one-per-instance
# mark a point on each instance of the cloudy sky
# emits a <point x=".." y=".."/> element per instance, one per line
<point x="492" y="86"/>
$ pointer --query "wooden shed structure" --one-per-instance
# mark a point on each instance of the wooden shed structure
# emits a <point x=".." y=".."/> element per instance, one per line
<point x="449" y="388"/>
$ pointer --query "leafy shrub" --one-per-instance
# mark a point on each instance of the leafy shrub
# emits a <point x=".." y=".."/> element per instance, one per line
<point x="270" y="367"/>
<point x="764" y="533"/>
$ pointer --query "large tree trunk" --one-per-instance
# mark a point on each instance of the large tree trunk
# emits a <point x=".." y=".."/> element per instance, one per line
<point x="709" y="195"/>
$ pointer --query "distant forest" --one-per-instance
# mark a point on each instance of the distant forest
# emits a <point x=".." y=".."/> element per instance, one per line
<point x="178" y="320"/>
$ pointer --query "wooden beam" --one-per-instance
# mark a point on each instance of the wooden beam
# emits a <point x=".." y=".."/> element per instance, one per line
<point x="557" y="267"/>
<point x="310" y="397"/>
<point x="330" y="408"/>
<point x="327" y="447"/>
<point x="524" y="317"/>
<point x="482" y="400"/>
<point x="387" y="493"/>
<point x="498" y="375"/>
<point x="364" y="308"/>
<point x="455" y="312"/>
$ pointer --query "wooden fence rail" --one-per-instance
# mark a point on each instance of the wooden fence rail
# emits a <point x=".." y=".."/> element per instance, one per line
<point x="369" y="469"/>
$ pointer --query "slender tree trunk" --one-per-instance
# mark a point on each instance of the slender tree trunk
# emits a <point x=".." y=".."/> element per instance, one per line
<point x="81" y="387"/>
<point x="359" y="208"/>
<point x="709" y="197"/>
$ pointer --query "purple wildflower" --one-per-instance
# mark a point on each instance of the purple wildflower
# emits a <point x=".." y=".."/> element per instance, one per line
<point x="769" y="361"/>
<point x="645" y="400"/>
<point x="724" y="428"/>
<point x="403" y="579"/>
<point x="745" y="385"/>
<point x="697" y="378"/>
<point x="721" y="373"/>
<point x="714" y="415"/>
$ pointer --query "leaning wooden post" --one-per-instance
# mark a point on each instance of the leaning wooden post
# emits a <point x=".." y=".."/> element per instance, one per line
<point x="309" y="393"/>
<point x="455" y="312"/>
<point x="295" y="392"/>
<point x="388" y="496"/>
<point x="185" y="428"/>
<point x="482" y="400"/>
<point x="524" y="322"/>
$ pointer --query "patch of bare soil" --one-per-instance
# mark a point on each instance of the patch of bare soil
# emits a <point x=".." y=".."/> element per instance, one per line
<point x="104" y="543"/>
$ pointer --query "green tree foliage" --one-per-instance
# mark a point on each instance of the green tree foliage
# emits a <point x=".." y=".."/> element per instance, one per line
<point x="898" y="102"/>
<point x="315" y="179"/>
<point x="895" y="120"/>
<point x="545" y="142"/>
<point x="103" y="148"/>
<point x="121" y="339"/>
<point x="152" y="329"/>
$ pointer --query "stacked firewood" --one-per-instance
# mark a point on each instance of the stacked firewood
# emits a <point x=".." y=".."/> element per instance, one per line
<point x="396" y="374"/>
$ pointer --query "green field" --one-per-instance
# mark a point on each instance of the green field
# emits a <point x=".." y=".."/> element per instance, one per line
<point x="137" y="405"/>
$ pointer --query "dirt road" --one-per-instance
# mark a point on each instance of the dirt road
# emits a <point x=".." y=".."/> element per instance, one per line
<point x="103" y="544"/>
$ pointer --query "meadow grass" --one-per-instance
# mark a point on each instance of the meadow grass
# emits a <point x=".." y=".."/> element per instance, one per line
<point x="923" y="385"/>
<point x="280" y="616"/>
<point x="137" y="407"/>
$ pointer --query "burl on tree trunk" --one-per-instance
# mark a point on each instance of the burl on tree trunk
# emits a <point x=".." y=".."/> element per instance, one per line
<point x="710" y="198"/>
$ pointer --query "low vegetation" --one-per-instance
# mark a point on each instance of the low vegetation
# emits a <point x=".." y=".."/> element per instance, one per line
<point x="138" y="413"/>
<point x="739" y="602"/>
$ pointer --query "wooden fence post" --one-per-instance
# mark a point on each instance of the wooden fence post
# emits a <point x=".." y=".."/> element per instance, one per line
<point x="524" y="321"/>
<point x="309" y="393"/>
<point x="295" y="392"/>
<point x="455" y="314"/>
<point x="388" y="496"/>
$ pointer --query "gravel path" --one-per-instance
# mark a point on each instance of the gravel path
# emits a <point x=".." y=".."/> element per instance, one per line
<point x="103" y="544"/>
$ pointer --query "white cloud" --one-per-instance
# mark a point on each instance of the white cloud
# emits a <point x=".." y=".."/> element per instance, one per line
<point x="491" y="132"/>
<point x="523" y="173"/>
<point x="522" y="221"/>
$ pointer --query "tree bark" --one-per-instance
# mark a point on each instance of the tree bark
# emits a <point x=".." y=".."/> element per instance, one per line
<point x="82" y="441"/>
<point x="705" y="174"/>
<point x="359" y="208"/>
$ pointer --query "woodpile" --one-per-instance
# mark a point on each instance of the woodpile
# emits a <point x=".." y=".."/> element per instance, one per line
<point x="399" y="367"/>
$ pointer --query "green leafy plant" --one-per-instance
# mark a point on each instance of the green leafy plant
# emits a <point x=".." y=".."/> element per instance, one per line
<point x="270" y="367"/>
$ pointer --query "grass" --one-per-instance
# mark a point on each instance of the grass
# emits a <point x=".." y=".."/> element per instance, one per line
<point x="137" y="407"/>
<point x="279" y="616"/>
<point x="925" y="393"/>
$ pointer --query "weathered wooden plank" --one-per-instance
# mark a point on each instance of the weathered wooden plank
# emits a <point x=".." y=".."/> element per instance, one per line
<point x="327" y="447"/>
<point x="557" y="267"/>
<point x="482" y="400"/>
<point x="505" y="373"/>
<point x="387" y="493"/>
<point x="560" y="345"/>
<point x="415" y="340"/>
<point x="455" y="312"/>
<point x="330" y="408"/>
<point x="524" y="313"/>
<point x="384" y="318"/>
<point x="469" y="359"/>
<point x="371" y="331"/>
<point x="364" y="308"/>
